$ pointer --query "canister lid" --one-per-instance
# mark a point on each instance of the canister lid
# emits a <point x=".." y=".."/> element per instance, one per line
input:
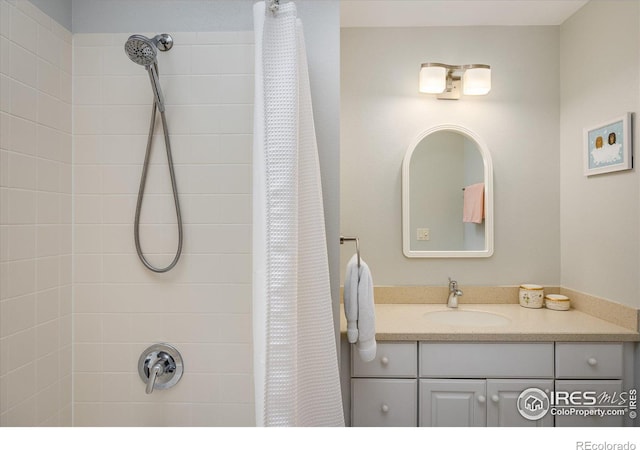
<point x="532" y="287"/>
<point x="557" y="297"/>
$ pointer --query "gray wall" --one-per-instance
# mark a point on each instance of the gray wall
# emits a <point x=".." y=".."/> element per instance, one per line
<point x="382" y="112"/>
<point x="59" y="10"/>
<point x="600" y="215"/>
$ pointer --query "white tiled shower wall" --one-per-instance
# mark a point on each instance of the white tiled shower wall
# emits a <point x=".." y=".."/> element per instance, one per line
<point x="203" y="305"/>
<point x="35" y="218"/>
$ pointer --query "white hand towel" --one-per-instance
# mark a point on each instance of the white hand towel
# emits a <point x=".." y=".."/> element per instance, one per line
<point x="351" y="299"/>
<point x="366" y="344"/>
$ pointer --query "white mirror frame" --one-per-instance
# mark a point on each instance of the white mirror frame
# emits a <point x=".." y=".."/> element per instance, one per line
<point x="488" y="199"/>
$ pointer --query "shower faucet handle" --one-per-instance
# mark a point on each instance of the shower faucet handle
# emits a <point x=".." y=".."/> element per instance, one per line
<point x="160" y="367"/>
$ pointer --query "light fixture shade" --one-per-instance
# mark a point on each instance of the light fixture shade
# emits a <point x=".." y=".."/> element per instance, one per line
<point x="476" y="80"/>
<point x="433" y="79"/>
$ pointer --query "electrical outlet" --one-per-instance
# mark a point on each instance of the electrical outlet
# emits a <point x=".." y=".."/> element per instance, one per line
<point x="423" y="234"/>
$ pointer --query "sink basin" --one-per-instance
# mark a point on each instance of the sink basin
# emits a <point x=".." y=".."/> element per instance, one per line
<point x="461" y="317"/>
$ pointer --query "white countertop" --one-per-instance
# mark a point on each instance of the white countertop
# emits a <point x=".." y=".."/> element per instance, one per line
<point x="398" y="322"/>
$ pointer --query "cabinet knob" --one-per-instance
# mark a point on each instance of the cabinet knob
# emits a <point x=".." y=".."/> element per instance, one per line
<point x="384" y="408"/>
<point x="495" y="398"/>
<point x="481" y="399"/>
<point x="384" y="360"/>
<point x="592" y="361"/>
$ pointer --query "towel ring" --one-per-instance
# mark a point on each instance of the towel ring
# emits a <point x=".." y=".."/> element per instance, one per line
<point x="343" y="238"/>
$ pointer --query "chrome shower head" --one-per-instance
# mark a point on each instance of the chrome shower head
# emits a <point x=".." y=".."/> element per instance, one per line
<point x="142" y="50"/>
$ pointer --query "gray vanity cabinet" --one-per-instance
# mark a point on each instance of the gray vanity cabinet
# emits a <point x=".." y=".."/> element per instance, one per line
<point x="477" y="384"/>
<point x="453" y="403"/>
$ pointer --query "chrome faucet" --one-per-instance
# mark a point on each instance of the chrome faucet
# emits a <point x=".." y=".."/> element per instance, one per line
<point x="454" y="293"/>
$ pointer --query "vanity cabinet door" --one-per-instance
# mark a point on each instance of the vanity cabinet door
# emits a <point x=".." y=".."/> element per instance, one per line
<point x="597" y="386"/>
<point x="502" y="399"/>
<point x="384" y="403"/>
<point x="453" y="403"/>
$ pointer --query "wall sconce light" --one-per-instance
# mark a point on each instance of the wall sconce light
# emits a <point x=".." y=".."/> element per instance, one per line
<point x="446" y="80"/>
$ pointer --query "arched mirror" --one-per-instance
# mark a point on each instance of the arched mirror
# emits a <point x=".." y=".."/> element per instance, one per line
<point x="447" y="195"/>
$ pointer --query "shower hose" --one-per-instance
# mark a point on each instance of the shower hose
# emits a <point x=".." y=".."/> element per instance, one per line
<point x="143" y="180"/>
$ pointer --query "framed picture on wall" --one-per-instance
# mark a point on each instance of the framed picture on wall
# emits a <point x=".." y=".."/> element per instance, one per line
<point x="608" y="146"/>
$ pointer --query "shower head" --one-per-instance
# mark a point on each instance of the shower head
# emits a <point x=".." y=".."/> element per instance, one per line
<point x="142" y="50"/>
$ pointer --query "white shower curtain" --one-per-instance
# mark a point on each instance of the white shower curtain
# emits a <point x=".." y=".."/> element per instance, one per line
<point x="295" y="358"/>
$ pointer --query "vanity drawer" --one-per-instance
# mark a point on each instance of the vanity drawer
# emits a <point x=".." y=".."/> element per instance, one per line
<point x="486" y="360"/>
<point x="393" y="360"/>
<point x="589" y="360"/>
<point x="384" y="403"/>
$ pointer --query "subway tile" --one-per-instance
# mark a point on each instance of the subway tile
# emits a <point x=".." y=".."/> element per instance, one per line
<point x="21" y="205"/>
<point x="87" y="268"/>
<point x="176" y="62"/>
<point x="87" y="358"/>
<point x="87" y="239"/>
<point x="22" y="242"/>
<point x="6" y="87"/>
<point x="87" y="90"/>
<point x="47" y="338"/>
<point x="128" y="90"/>
<point x="48" y="78"/>
<point x="87" y="414"/>
<point x="92" y="39"/>
<point x="87" y="61"/>
<point x="125" y="119"/>
<point x="21" y="384"/>
<point x="120" y="179"/>
<point x="5" y="131"/>
<point x="223" y="59"/>
<point x="218" y="239"/>
<point x="48" y="173"/>
<point x="49" y="111"/>
<point x="47" y="370"/>
<point x="48" y="143"/>
<point x="66" y="87"/>
<point x="23" y="136"/>
<point x="86" y="149"/>
<point x="20" y="349"/>
<point x="215" y="89"/>
<point x="23" y="171"/>
<point x="87" y="298"/>
<point x="88" y="209"/>
<point x="87" y="328"/>
<point x="18" y="314"/>
<point x="118" y="208"/>
<point x="123" y="149"/>
<point x="87" y="120"/>
<point x="24" y="100"/>
<point x="48" y="240"/>
<point x="47" y="305"/>
<point x="215" y="179"/>
<point x="48" y="208"/>
<point x="23" y="65"/>
<point x="49" y="46"/>
<point x="118" y="238"/>
<point x="48" y="272"/>
<point x="87" y="179"/>
<point x="21" y="277"/>
<point x="47" y="403"/>
<point x="23" y="30"/>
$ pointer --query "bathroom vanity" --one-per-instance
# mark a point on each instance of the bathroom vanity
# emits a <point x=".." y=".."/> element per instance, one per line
<point x="442" y="374"/>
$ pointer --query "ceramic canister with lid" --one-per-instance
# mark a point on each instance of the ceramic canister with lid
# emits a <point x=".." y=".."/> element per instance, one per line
<point x="531" y="295"/>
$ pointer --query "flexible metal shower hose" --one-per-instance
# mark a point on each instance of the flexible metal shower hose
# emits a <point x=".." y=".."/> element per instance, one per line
<point x="143" y="181"/>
